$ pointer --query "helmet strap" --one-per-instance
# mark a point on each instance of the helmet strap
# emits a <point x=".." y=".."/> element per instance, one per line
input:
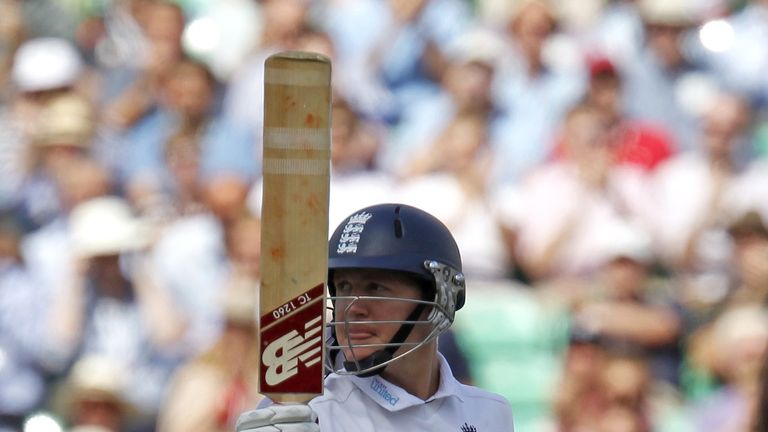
<point x="379" y="357"/>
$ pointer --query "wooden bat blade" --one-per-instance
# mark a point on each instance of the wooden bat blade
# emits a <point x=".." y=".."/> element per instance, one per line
<point x="294" y="220"/>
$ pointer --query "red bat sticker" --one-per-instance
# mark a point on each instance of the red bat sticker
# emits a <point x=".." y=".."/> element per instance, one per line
<point x="292" y="339"/>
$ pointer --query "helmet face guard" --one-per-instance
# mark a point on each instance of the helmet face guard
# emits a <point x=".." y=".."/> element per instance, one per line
<point x="402" y="239"/>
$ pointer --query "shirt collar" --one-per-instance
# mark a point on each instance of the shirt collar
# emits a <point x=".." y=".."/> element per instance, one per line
<point x="394" y="398"/>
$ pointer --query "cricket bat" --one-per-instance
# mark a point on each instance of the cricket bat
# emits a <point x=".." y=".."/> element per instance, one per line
<point x="294" y="221"/>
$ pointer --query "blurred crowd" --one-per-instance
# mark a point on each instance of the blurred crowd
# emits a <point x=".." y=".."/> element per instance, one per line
<point x="604" y="159"/>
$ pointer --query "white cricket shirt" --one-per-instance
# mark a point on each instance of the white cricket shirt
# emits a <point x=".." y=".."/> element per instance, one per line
<point x="354" y="404"/>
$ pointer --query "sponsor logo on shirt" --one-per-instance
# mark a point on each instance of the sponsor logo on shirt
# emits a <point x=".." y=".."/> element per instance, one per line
<point x="381" y="389"/>
<point x="468" y="428"/>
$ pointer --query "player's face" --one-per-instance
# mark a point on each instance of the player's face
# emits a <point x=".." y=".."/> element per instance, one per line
<point x="392" y="287"/>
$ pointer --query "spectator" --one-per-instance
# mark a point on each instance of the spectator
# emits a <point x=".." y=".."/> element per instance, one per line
<point x="444" y="145"/>
<point x="47" y="251"/>
<point x="182" y="158"/>
<point x="394" y="49"/>
<point x="465" y="91"/>
<point x="113" y="305"/>
<point x="195" y="255"/>
<point x="559" y="212"/>
<point x="121" y="45"/>
<point x="578" y="394"/>
<point x="43" y="68"/>
<point x="750" y="267"/>
<point x="635" y="142"/>
<point x="626" y="381"/>
<point x="747" y="287"/>
<point x="531" y="93"/>
<point x="739" y="338"/>
<point x="94" y="396"/>
<point x="211" y="390"/>
<point x="22" y="375"/>
<point x="64" y="134"/>
<point x="130" y="89"/>
<point x="655" y="81"/>
<point x="620" y="307"/>
<point x="411" y="48"/>
<point x="188" y="110"/>
<point x="698" y="192"/>
<point x="602" y="389"/>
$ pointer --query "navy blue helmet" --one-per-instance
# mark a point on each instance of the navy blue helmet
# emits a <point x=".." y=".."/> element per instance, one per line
<point x="404" y="239"/>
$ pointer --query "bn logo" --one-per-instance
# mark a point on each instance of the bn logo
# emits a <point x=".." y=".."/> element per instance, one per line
<point x="281" y="357"/>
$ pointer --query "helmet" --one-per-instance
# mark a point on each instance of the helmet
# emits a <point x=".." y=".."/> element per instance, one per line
<point x="404" y="239"/>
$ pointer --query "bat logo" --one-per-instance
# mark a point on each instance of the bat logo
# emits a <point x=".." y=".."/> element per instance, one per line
<point x="282" y="355"/>
<point x="351" y="234"/>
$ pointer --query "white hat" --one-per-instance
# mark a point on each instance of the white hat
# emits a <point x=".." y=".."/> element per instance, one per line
<point x="626" y="240"/>
<point x="45" y="64"/>
<point x="476" y="45"/>
<point x="67" y="119"/>
<point x="106" y="226"/>
<point x="670" y="12"/>
<point x="98" y="377"/>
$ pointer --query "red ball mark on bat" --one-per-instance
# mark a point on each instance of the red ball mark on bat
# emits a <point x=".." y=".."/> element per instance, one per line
<point x="310" y="120"/>
<point x="313" y="202"/>
<point x="277" y="253"/>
